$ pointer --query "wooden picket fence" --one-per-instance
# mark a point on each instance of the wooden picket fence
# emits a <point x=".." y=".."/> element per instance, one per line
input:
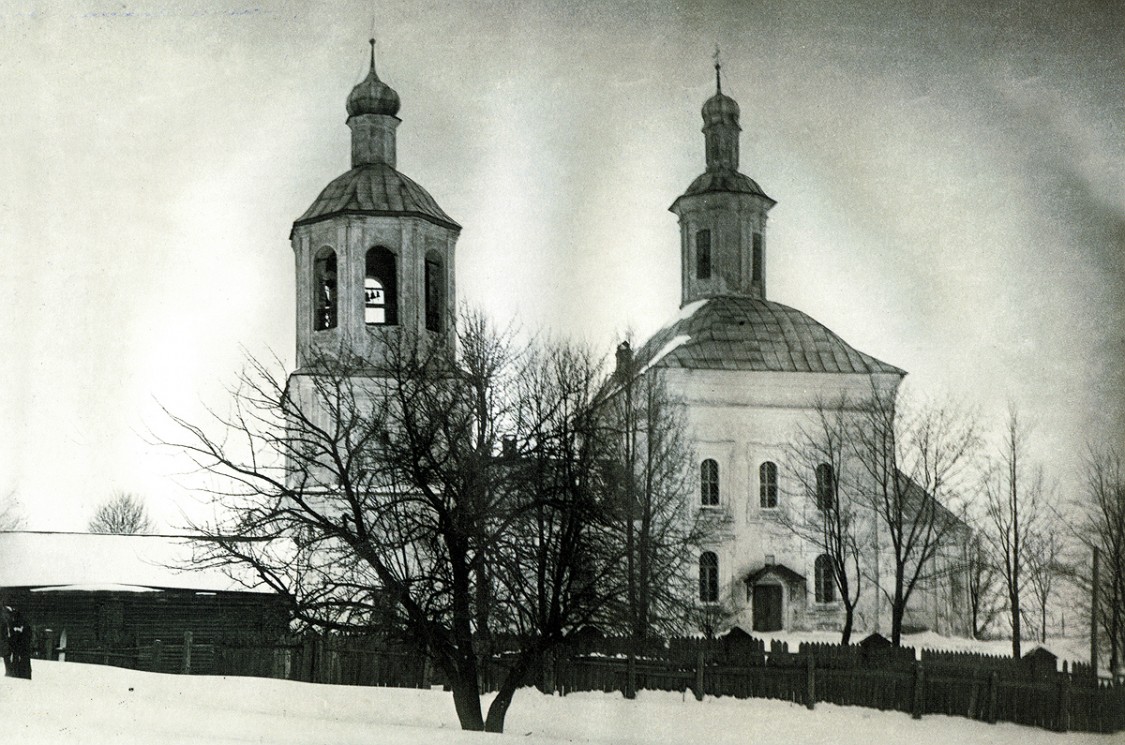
<point x="985" y="688"/>
<point x="981" y="687"/>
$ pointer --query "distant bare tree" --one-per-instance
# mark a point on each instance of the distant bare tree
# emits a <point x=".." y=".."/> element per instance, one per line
<point x="1044" y="567"/>
<point x="1014" y="506"/>
<point x="1101" y="526"/>
<point x="985" y="604"/>
<point x="915" y="460"/>
<point x="827" y="512"/>
<point x="11" y="518"/>
<point x="124" y="513"/>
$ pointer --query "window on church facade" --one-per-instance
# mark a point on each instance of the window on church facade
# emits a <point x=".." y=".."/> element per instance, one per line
<point x="709" y="483"/>
<point x="708" y="577"/>
<point x="380" y="285"/>
<point x="435" y="293"/>
<point x="825" y="487"/>
<point x="703" y="254"/>
<point x="824" y="579"/>
<point x="767" y="485"/>
<point x="758" y="257"/>
<point x="324" y="290"/>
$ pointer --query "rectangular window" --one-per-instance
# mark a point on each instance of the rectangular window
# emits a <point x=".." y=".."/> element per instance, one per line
<point x="759" y="255"/>
<point x="703" y="254"/>
<point x="433" y="296"/>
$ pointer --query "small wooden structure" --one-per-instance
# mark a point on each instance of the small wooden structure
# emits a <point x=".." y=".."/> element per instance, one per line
<point x="132" y="601"/>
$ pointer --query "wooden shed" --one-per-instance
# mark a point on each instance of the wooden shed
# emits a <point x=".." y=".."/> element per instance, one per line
<point x="133" y="601"/>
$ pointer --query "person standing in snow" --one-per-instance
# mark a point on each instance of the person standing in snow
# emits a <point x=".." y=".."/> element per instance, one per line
<point x="17" y="661"/>
<point x="5" y="641"/>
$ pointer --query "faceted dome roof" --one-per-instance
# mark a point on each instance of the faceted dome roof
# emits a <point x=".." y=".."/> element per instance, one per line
<point x="733" y="332"/>
<point x="375" y="189"/>
<point x="726" y="180"/>
<point x="373" y="96"/>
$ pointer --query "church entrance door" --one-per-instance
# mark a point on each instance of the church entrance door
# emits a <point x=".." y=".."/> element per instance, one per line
<point x="767" y="608"/>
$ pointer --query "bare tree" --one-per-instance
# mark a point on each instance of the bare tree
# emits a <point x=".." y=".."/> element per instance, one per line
<point x="1014" y="509"/>
<point x="826" y="512"/>
<point x="914" y="461"/>
<point x="11" y="518"/>
<point x="403" y="499"/>
<point x="985" y="604"/>
<point x="1044" y="567"/>
<point x="1101" y="527"/>
<point x="124" y="513"/>
<point x="651" y="473"/>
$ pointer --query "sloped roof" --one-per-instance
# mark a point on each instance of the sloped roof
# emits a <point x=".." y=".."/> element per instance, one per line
<point x="724" y="180"/>
<point x="732" y="332"/>
<point x="90" y="561"/>
<point x="778" y="570"/>
<point x="375" y="189"/>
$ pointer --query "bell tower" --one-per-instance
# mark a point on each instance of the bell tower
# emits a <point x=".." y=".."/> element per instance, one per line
<point x="374" y="253"/>
<point x="722" y="214"/>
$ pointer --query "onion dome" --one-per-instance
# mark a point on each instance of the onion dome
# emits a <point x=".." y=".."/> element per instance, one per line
<point x="372" y="95"/>
<point x="720" y="109"/>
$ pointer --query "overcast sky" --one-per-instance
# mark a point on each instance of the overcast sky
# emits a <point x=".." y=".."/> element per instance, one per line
<point x="950" y="180"/>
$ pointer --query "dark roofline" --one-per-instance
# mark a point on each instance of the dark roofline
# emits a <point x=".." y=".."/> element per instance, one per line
<point x="781" y="570"/>
<point x="376" y="213"/>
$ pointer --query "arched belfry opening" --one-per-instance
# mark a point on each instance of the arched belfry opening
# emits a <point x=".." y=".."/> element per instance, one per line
<point x="380" y="288"/>
<point x="325" y="300"/>
<point x="435" y="292"/>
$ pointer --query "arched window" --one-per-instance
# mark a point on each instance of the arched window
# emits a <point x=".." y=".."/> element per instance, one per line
<point x="767" y="485"/>
<point x="703" y="254"/>
<point x="435" y="293"/>
<point x="709" y="577"/>
<point x="825" y="487"/>
<point x="825" y="579"/>
<point x="380" y="288"/>
<point x="324" y="290"/>
<point x="709" y="483"/>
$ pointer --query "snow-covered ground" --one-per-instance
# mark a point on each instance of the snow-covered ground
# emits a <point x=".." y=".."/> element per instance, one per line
<point x="77" y="704"/>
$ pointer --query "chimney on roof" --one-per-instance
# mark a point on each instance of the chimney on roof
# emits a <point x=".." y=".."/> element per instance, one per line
<point x="624" y="369"/>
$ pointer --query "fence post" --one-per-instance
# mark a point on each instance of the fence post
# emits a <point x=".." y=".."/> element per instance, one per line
<point x="992" y="698"/>
<point x="631" y="674"/>
<point x="810" y="681"/>
<point x="919" y="691"/>
<point x="699" y="676"/>
<point x="1064" y="704"/>
<point x="186" y="666"/>
<point x="157" y="650"/>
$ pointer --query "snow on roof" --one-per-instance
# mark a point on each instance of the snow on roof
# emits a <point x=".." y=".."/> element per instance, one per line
<point x="95" y="588"/>
<point x="94" y="561"/>
<point x="666" y="349"/>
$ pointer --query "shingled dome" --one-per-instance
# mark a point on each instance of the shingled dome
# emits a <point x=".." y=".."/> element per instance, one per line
<point x="745" y="333"/>
<point x="375" y="189"/>
<point x="725" y="181"/>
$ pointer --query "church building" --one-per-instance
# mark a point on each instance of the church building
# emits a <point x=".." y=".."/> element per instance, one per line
<point x="750" y="372"/>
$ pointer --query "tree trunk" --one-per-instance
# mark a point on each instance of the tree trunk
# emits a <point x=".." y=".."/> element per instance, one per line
<point x="1014" y="599"/>
<point x="846" y="636"/>
<point x="898" y="609"/>
<point x="466" y="700"/>
<point x="499" y="708"/>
